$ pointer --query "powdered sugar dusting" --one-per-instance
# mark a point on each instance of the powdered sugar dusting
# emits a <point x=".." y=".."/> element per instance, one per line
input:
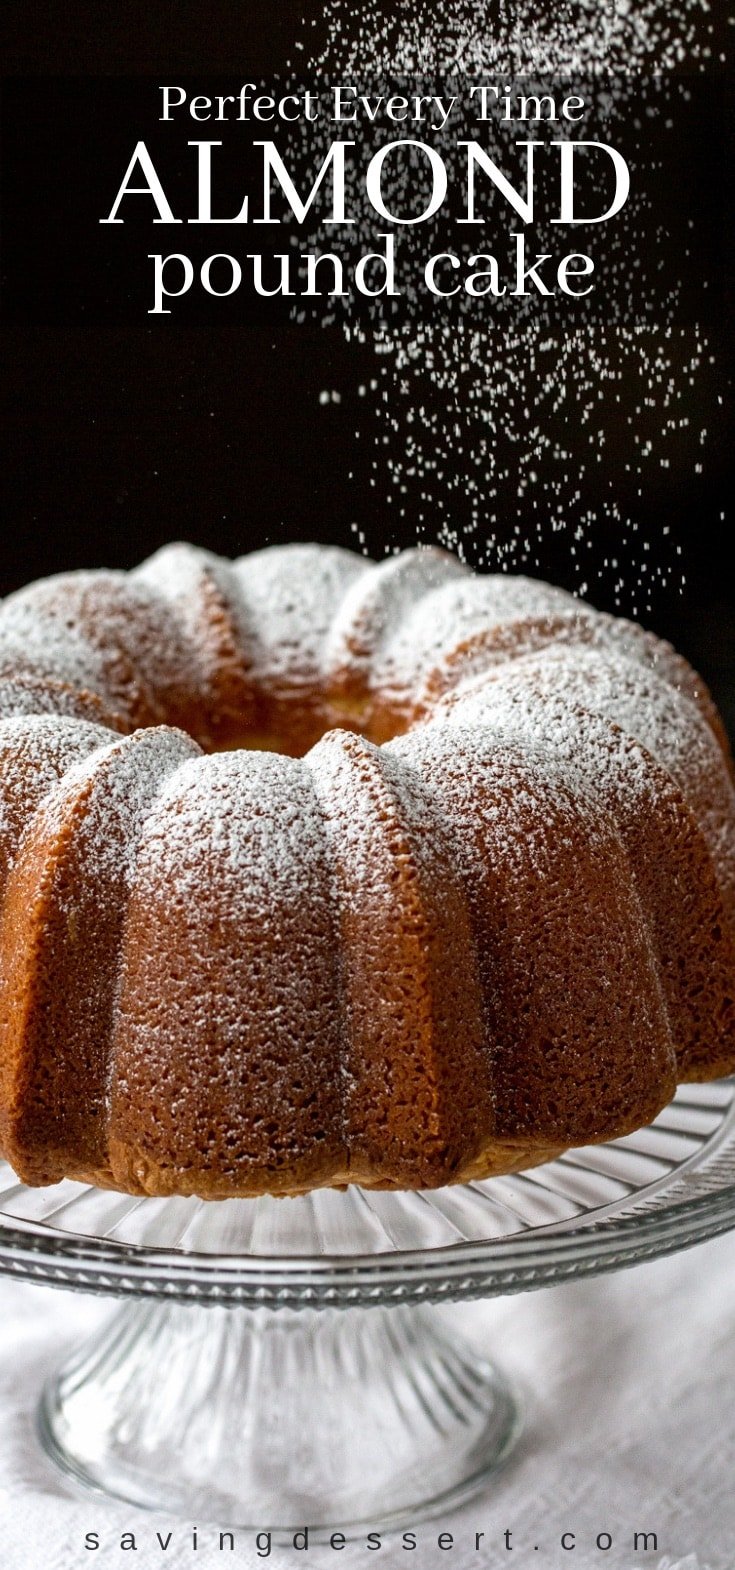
<point x="666" y="722"/>
<point x="35" y="753"/>
<point x="435" y="625"/>
<point x="378" y="609"/>
<point x="207" y="796"/>
<point x="111" y="793"/>
<point x="292" y="597"/>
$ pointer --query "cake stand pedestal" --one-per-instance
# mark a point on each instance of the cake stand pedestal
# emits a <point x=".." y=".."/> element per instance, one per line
<point x="354" y="1406"/>
<point x="280" y="1420"/>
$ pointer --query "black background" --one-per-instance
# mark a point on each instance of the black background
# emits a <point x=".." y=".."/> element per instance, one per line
<point x="118" y="438"/>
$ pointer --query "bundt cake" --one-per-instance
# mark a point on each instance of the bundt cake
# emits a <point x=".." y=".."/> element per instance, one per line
<point x="318" y="871"/>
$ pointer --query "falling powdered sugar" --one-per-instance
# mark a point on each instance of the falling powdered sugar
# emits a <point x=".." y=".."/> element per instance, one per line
<point x="491" y="439"/>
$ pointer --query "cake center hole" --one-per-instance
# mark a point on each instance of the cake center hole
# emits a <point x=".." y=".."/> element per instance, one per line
<point x="295" y="728"/>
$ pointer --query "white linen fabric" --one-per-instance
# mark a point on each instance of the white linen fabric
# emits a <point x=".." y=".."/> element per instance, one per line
<point x="630" y="1398"/>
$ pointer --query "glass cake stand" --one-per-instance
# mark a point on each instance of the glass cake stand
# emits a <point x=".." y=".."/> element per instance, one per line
<point x="198" y="1398"/>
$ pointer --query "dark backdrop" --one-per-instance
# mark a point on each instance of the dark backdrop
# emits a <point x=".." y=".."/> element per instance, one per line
<point x="117" y="439"/>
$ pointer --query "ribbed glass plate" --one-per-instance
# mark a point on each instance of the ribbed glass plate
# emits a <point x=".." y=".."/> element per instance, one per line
<point x="596" y="1208"/>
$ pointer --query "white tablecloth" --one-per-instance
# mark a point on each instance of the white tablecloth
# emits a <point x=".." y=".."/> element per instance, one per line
<point x="630" y="1384"/>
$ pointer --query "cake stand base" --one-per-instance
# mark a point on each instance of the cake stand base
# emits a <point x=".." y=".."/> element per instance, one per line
<point x="331" y="1420"/>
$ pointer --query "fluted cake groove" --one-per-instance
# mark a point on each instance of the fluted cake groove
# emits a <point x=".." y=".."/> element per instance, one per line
<point x="319" y="871"/>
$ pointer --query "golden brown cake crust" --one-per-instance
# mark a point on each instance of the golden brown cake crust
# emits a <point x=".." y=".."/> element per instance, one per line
<point x="317" y="871"/>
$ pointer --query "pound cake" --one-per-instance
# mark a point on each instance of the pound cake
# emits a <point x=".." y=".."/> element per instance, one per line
<point x="319" y="871"/>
